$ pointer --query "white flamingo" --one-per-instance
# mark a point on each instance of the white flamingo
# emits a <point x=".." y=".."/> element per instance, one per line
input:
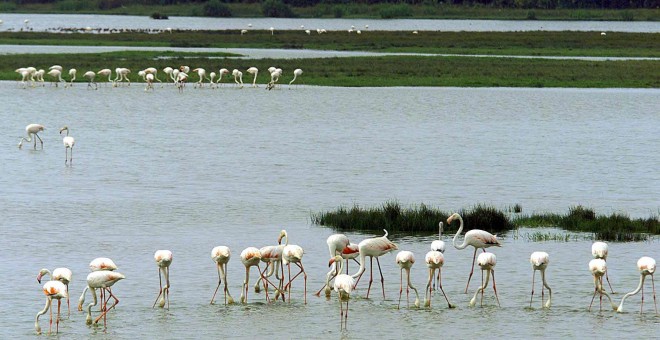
<point x="646" y="266"/>
<point x="486" y="262"/>
<point x="599" y="250"/>
<point x="32" y="131"/>
<point x="53" y="290"/>
<point x="72" y="74"/>
<point x="477" y="238"/>
<point x="57" y="75"/>
<point x="163" y="260"/>
<point x="90" y="75"/>
<point x="68" y="142"/>
<point x="374" y="247"/>
<point x="253" y="71"/>
<point x="221" y="256"/>
<point x="61" y="274"/>
<point x="336" y="243"/>
<point x="238" y="77"/>
<point x="598" y="268"/>
<point x="296" y="73"/>
<point x="103" y="280"/>
<point x="292" y="253"/>
<point x="405" y="260"/>
<point x="540" y="261"/>
<point x="250" y="257"/>
<point x="343" y="285"/>
<point x="106" y="72"/>
<point x="434" y="261"/>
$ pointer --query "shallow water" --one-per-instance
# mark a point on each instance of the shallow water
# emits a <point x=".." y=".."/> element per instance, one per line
<point x="190" y="171"/>
<point x="42" y="22"/>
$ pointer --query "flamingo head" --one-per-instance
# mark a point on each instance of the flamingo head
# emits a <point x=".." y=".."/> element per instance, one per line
<point x="41" y="274"/>
<point x="64" y="128"/>
<point x="337" y="258"/>
<point x="283" y="234"/>
<point x="451" y="218"/>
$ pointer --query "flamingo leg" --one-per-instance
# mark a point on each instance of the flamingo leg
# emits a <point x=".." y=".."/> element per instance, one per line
<point x="442" y="290"/>
<point x="483" y="286"/>
<point x="40" y="141"/>
<point x="607" y="276"/>
<point x="50" y="325"/>
<point x="302" y="271"/>
<point x="530" y="299"/>
<point x="428" y="291"/>
<point x="68" y="304"/>
<point x="382" y="280"/>
<point x="495" y="288"/>
<point x="160" y="292"/>
<point x="474" y="257"/>
<point x="654" y="302"/>
<point x="371" y="275"/>
<point x="400" y="288"/>
<point x="641" y="308"/>
<point x="216" y="288"/>
<point x="57" y="322"/>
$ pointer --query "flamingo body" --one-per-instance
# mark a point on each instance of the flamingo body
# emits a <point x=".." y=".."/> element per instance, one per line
<point x="540" y="261"/>
<point x="646" y="267"/>
<point x="221" y="256"/>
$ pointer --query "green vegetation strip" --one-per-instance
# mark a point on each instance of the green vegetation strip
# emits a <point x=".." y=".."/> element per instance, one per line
<point x="614" y="44"/>
<point x="424" y="220"/>
<point x="372" y="71"/>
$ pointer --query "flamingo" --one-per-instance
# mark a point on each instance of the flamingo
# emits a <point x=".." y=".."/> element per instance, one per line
<point x="272" y="256"/>
<point x="336" y="243"/>
<point x="438" y="245"/>
<point x="57" y="74"/>
<point x="72" y="74"/>
<point x="103" y="280"/>
<point x="272" y="30"/>
<point x="68" y="142"/>
<point x="122" y="74"/>
<point x="539" y="261"/>
<point x="343" y="285"/>
<point x="238" y="77"/>
<point x="53" y="290"/>
<point x="106" y="72"/>
<point x="63" y="275"/>
<point x="32" y="131"/>
<point x="168" y="70"/>
<point x="154" y="71"/>
<point x="56" y="67"/>
<point x="212" y="76"/>
<point x="477" y="238"/>
<point x="149" y="77"/>
<point x="486" y="262"/>
<point x="222" y="72"/>
<point x="296" y="73"/>
<point x="598" y="268"/>
<point x="181" y="79"/>
<point x="274" y="78"/>
<point x="599" y="250"/>
<point x="374" y="247"/>
<point x="646" y="266"/>
<point x="184" y="69"/>
<point x="434" y="261"/>
<point x="39" y="76"/>
<point x="221" y="256"/>
<point x="250" y="257"/>
<point x="25" y="75"/>
<point x="97" y="264"/>
<point x="253" y="71"/>
<point x="292" y="253"/>
<point x="405" y="260"/>
<point x="202" y="75"/>
<point x="90" y="75"/>
<point x="163" y="260"/>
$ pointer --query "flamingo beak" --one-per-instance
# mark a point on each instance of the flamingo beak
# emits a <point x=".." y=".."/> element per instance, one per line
<point x="39" y="278"/>
<point x="332" y="260"/>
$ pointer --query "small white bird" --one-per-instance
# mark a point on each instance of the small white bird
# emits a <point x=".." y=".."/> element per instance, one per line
<point x="68" y="142"/>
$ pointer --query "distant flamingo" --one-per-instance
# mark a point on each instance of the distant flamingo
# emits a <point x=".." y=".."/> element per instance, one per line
<point x="53" y="290"/>
<point x="149" y="77"/>
<point x="434" y="261"/>
<point x="221" y="256"/>
<point x="202" y="75"/>
<point x="212" y="76"/>
<point x="253" y="71"/>
<point x="163" y="260"/>
<point x="374" y="247"/>
<point x="122" y="74"/>
<point x="477" y="238"/>
<point x="57" y="74"/>
<point x="598" y="268"/>
<point x="249" y="257"/>
<point x="168" y="70"/>
<point x="56" y="67"/>
<point x="486" y="262"/>
<point x="32" y="131"/>
<point x="438" y="245"/>
<point x="90" y="75"/>
<point x="292" y="254"/>
<point x="343" y="285"/>
<point x="68" y="142"/>
<point x="63" y="275"/>
<point x="405" y="260"/>
<point x="221" y="73"/>
<point x="238" y="77"/>
<point x="154" y="71"/>
<point x="599" y="250"/>
<point x="72" y="74"/>
<point x="106" y="72"/>
<point x="646" y="266"/>
<point x="539" y="261"/>
<point x="296" y="73"/>
<point x="103" y="280"/>
<point x="274" y="78"/>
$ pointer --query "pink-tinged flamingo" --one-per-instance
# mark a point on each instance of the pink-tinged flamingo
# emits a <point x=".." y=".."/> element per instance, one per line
<point x="599" y="250"/>
<point x="434" y="261"/>
<point x="163" y="260"/>
<point x="540" y="261"/>
<point x="477" y="238"/>
<point x="405" y="260"/>
<point x="150" y="81"/>
<point x="53" y="290"/>
<point x="646" y="266"/>
<point x="249" y="257"/>
<point x="598" y="268"/>
<point x="154" y="71"/>
<point x="122" y="74"/>
<point x="221" y="256"/>
<point x="63" y="275"/>
<point x="106" y="72"/>
<point x="68" y="142"/>
<point x="253" y="71"/>
<point x="97" y="264"/>
<point x="221" y="73"/>
<point x="57" y="75"/>
<point x="292" y="253"/>
<point x="202" y="75"/>
<point x="272" y="257"/>
<point x="374" y="247"/>
<point x="343" y="285"/>
<point x="438" y="245"/>
<point x="90" y="75"/>
<point x="336" y="243"/>
<point x="103" y="280"/>
<point x="486" y="262"/>
<point x="32" y="131"/>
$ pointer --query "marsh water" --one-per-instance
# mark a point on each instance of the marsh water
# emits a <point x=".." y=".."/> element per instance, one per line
<point x="187" y="172"/>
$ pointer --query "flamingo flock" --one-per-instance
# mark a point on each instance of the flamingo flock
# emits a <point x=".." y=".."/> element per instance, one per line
<point x="104" y="274"/>
<point x="33" y="77"/>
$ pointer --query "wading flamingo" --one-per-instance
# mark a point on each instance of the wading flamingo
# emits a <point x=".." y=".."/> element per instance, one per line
<point x="434" y="261"/>
<point x="374" y="247"/>
<point x="72" y="74"/>
<point x="68" y="142"/>
<point x="97" y="264"/>
<point x="477" y="238"/>
<point x="405" y="260"/>
<point x="599" y="250"/>
<point x="163" y="260"/>
<point x="63" y="275"/>
<point x="272" y="257"/>
<point x="253" y="71"/>
<point x="343" y="285"/>
<point x="32" y="131"/>
<point x="598" y="268"/>
<point x="296" y="73"/>
<point x="486" y="262"/>
<point x="103" y="280"/>
<point x="106" y="72"/>
<point x="336" y="243"/>
<point x="57" y="75"/>
<point x="238" y="77"/>
<point x="90" y="75"/>
<point x="202" y="75"/>
<point x="438" y="245"/>
<point x="540" y="261"/>
<point x="249" y="257"/>
<point x="122" y="74"/>
<point x="221" y="256"/>
<point x="646" y="266"/>
<point x="292" y="253"/>
<point x="221" y="73"/>
<point x="150" y="81"/>
<point x="53" y="290"/>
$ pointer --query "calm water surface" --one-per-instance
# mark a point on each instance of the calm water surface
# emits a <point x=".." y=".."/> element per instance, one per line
<point x="232" y="167"/>
<point x="42" y="22"/>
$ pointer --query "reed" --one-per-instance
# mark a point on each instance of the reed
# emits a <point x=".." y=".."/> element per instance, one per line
<point x="423" y="219"/>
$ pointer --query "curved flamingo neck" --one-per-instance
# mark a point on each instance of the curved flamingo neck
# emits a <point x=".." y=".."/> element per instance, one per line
<point x="460" y="229"/>
<point x="639" y="287"/>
